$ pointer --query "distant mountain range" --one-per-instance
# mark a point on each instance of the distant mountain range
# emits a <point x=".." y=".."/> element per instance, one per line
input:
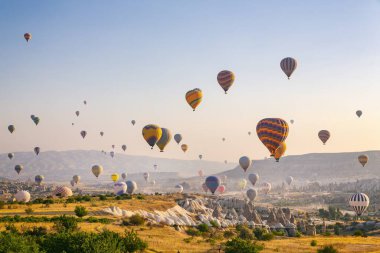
<point x="61" y="166"/>
<point x="320" y="167"/>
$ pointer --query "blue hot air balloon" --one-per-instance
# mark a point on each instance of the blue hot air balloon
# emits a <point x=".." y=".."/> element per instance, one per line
<point x="212" y="183"/>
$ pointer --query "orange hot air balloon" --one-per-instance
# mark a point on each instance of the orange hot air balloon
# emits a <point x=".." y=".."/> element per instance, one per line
<point x="272" y="132"/>
<point x="363" y="159"/>
<point x="280" y="151"/>
<point x="194" y="98"/>
<point x="184" y="147"/>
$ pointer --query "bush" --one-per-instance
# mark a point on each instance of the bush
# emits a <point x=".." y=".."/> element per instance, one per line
<point x="313" y="243"/>
<point x="139" y="196"/>
<point x="238" y="245"/>
<point x="203" y="228"/>
<point x="327" y="249"/>
<point x="29" y="210"/>
<point x="193" y="232"/>
<point x="246" y="234"/>
<point x="36" y="231"/>
<point x="80" y="211"/>
<point x="358" y="233"/>
<point x="214" y="223"/>
<point x="13" y="242"/>
<point x="2" y="204"/>
<point x="132" y="243"/>
<point x="102" y="197"/>
<point x="135" y="220"/>
<point x="66" y="224"/>
<point x="262" y="234"/>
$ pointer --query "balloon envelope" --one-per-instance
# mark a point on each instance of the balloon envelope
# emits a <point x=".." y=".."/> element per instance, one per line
<point x="324" y="136"/>
<point x="359" y="202"/>
<point x="120" y="188"/>
<point x="27" y="36"/>
<point x="289" y="179"/>
<point x="151" y="133"/>
<point x="288" y="65"/>
<point x="10" y="155"/>
<point x="280" y="151"/>
<point x="253" y="178"/>
<point x="37" y="150"/>
<point x="363" y="159"/>
<point x="83" y="134"/>
<point x="11" y="128"/>
<point x="178" y="138"/>
<point x="225" y="79"/>
<point x="245" y="162"/>
<point x="38" y="179"/>
<point x="22" y="196"/>
<point x="97" y="170"/>
<point x="164" y="140"/>
<point x="19" y="168"/>
<point x="62" y="191"/>
<point x="212" y="183"/>
<point x="124" y="175"/>
<point x="272" y="132"/>
<point x="359" y="113"/>
<point x="178" y="188"/>
<point x="184" y="147"/>
<point x="115" y="177"/>
<point x="221" y="189"/>
<point x="124" y="147"/>
<point x="252" y="194"/>
<point x="131" y="187"/>
<point x="194" y="98"/>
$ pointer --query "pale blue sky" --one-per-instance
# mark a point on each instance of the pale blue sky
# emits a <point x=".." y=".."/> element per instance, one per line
<point x="136" y="60"/>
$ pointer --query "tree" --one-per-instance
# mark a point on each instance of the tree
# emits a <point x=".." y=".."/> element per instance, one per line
<point x="80" y="211"/>
<point x="238" y="245"/>
<point x="327" y="249"/>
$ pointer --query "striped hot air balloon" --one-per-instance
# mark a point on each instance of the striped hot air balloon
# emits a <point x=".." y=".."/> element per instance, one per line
<point x="324" y="136"/>
<point x="288" y="65"/>
<point x="62" y="191"/>
<point x="164" y="140"/>
<point x="272" y="132"/>
<point x="359" y="202"/>
<point x="194" y="98"/>
<point x="225" y="79"/>
<point x="152" y="133"/>
<point x="363" y="159"/>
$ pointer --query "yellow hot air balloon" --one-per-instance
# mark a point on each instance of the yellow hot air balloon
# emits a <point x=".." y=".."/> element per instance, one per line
<point x="164" y="140"/>
<point x="280" y="151"/>
<point x="115" y="177"/>
<point x="194" y="98"/>
<point x="152" y="133"/>
<point x="184" y="147"/>
<point x="97" y="170"/>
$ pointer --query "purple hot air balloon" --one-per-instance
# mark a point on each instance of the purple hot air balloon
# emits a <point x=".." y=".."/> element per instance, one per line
<point x="212" y="183"/>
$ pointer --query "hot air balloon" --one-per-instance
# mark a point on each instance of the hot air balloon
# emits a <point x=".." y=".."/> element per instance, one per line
<point x="359" y="202"/>
<point x="244" y="162"/>
<point x="253" y="178"/>
<point x="83" y="134"/>
<point x="133" y="122"/>
<point x="19" y="168"/>
<point x="178" y="188"/>
<point x="146" y="176"/>
<point x="113" y="146"/>
<point x="289" y="179"/>
<point x="184" y="147"/>
<point x="72" y="183"/>
<point x="85" y="102"/>
<point x="120" y="188"/>
<point x="212" y="183"/>
<point x="324" y="135"/>
<point x="204" y="187"/>
<point x="27" y="36"/>
<point x="151" y="134"/>
<point x="37" y="150"/>
<point x="266" y="187"/>
<point x="164" y="140"/>
<point x="35" y="119"/>
<point x="178" y="138"/>
<point x="76" y="179"/>
<point x="280" y="151"/>
<point x="97" y="170"/>
<point x="252" y="194"/>
<point x="155" y="166"/>
<point x="288" y="65"/>
<point x="124" y="147"/>
<point x="22" y="196"/>
<point x="77" y="113"/>
<point x="38" y="179"/>
<point x="101" y="134"/>
<point x="131" y="187"/>
<point x="115" y="177"/>
<point x="124" y="175"/>
<point x="249" y="133"/>
<point x="363" y="159"/>
<point x="225" y="79"/>
<point x="221" y="189"/>
<point x="225" y="162"/>
<point x="112" y="154"/>
<point x="11" y="128"/>
<point x="10" y="155"/>
<point x="153" y="182"/>
<point x="272" y="132"/>
<point x="242" y="184"/>
<point x="62" y="192"/>
<point x="223" y="139"/>
<point x="359" y="113"/>
<point x="200" y="173"/>
<point x="200" y="157"/>
<point x="194" y="98"/>
<point x="292" y="121"/>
